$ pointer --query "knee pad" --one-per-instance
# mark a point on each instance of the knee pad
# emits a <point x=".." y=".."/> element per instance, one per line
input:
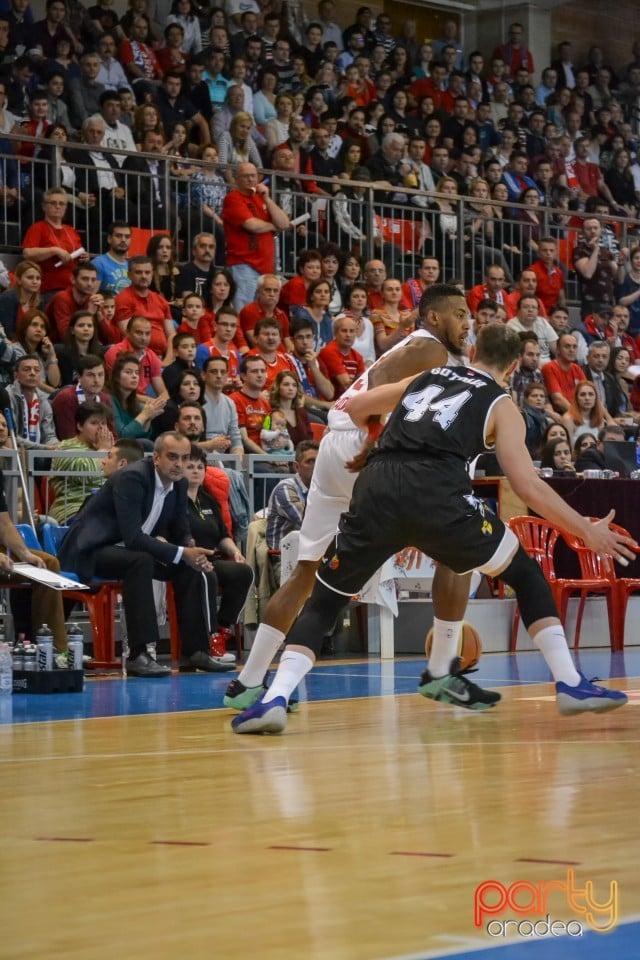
<point x="532" y="591"/>
<point x="317" y="619"/>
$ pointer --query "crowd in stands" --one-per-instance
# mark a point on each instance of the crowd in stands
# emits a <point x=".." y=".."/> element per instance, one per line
<point x="97" y="345"/>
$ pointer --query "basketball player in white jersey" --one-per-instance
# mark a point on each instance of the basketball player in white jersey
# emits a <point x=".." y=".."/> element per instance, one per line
<point x="439" y="340"/>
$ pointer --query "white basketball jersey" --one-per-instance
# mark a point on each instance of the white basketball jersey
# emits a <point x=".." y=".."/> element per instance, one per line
<point x="338" y="418"/>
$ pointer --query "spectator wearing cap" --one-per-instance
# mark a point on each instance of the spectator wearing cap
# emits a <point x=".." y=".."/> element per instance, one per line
<point x="597" y="326"/>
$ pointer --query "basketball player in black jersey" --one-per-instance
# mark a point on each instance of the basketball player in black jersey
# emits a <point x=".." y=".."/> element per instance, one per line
<point x="416" y="490"/>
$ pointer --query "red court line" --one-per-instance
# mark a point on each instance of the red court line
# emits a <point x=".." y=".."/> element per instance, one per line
<point x="277" y="846"/>
<point x="562" y="863"/>
<point x="67" y="839"/>
<point x="417" y="853"/>
<point x="180" y="843"/>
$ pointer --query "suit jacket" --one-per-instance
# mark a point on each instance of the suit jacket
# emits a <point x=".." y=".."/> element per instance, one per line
<point x="87" y="172"/>
<point x="143" y="209"/>
<point x="115" y="514"/>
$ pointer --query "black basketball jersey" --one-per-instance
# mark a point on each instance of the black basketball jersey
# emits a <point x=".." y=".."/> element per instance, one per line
<point x="443" y="414"/>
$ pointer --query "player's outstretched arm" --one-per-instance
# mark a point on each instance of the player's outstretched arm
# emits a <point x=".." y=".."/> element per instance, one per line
<point x="507" y="427"/>
<point x="377" y="402"/>
<point x="417" y="356"/>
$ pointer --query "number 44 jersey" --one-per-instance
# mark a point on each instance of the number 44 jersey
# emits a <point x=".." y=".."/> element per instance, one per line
<point x="443" y="415"/>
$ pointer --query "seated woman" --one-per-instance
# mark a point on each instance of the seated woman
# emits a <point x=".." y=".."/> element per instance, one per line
<point x="557" y="456"/>
<point x="165" y="271"/>
<point x="33" y="337"/>
<point x="235" y="144"/>
<point x="132" y="413"/>
<point x="356" y="306"/>
<point x="207" y="191"/>
<point x="286" y="395"/>
<point x="586" y="413"/>
<point x="22" y="296"/>
<point x="535" y="418"/>
<point x="231" y="575"/>
<point x="391" y="323"/>
<point x="317" y="311"/>
<point x="189" y="387"/>
<point x="80" y="339"/>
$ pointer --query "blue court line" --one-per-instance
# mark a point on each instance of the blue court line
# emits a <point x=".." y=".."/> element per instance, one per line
<point x="112" y="696"/>
<point x="623" y="943"/>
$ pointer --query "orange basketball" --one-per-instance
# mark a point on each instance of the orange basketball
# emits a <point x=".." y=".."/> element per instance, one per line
<point x="469" y="645"/>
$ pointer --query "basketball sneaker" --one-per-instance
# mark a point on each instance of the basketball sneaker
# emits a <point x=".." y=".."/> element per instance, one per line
<point x="239" y="697"/>
<point x="587" y="697"/>
<point x="454" y="688"/>
<point x="262" y="717"/>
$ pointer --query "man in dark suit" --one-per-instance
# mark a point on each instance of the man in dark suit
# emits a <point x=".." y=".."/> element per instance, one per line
<point x="151" y="205"/>
<point x="135" y="529"/>
<point x="99" y="183"/>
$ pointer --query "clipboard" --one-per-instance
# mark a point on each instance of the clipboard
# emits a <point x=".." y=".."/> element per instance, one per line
<point x="47" y="577"/>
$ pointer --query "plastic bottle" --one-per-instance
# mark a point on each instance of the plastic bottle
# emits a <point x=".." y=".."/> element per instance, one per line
<point x="44" y="641"/>
<point x="6" y="668"/>
<point x="75" y="646"/>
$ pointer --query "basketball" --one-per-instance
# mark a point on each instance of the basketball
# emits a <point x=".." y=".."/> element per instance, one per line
<point x="469" y="645"/>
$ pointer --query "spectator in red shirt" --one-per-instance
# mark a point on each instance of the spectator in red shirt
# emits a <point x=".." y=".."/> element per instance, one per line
<point x="194" y="319"/>
<point x="527" y="286"/>
<point x="343" y="363"/>
<point x="562" y="374"/>
<point x="294" y="292"/>
<point x="221" y="345"/>
<point x="251" y="219"/>
<point x="50" y="243"/>
<point x="514" y="53"/>
<point x="90" y="386"/>
<point x="83" y="294"/>
<point x="375" y="274"/>
<point x="139" y="300"/>
<point x="263" y="307"/>
<point x="550" y="277"/>
<point x="269" y="347"/>
<point x="251" y="406"/>
<point x="137" y="342"/>
<point x="492" y="288"/>
<point x="589" y="175"/>
<point x="412" y="290"/>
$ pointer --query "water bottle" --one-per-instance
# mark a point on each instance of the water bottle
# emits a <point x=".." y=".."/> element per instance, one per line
<point x="6" y="669"/>
<point x="75" y="646"/>
<point x="44" y="642"/>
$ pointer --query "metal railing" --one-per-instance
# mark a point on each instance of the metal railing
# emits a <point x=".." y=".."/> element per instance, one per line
<point x="396" y="225"/>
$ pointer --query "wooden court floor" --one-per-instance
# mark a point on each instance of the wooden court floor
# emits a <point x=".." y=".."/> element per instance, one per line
<point x="360" y="834"/>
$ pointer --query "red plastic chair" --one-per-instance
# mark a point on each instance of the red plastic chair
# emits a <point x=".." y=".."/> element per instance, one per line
<point x="597" y="576"/>
<point x="539" y="538"/>
<point x="622" y="587"/>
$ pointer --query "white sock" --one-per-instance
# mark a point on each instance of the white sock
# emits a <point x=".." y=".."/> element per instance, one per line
<point x="265" y="646"/>
<point x="292" y="668"/>
<point x="444" y="646"/>
<point x="552" y="644"/>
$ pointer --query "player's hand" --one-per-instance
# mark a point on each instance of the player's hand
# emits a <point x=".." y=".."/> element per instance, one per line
<point x="604" y="541"/>
<point x="356" y="463"/>
<point x="408" y="558"/>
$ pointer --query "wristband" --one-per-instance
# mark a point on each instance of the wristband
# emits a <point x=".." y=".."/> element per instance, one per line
<point x="374" y="429"/>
